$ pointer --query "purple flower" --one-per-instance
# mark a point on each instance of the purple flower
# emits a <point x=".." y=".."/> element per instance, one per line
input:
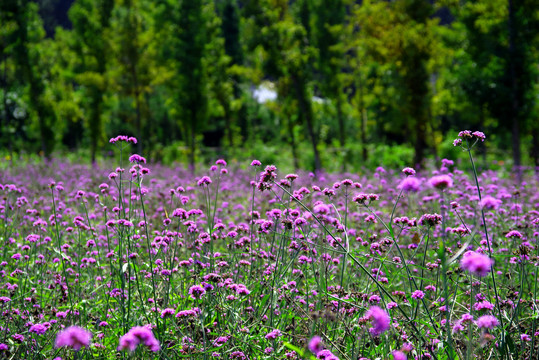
<point x="487" y="322"/>
<point x="139" y="335"/>
<point x="205" y="180"/>
<point x="39" y="329"/>
<point x="74" y="337"/>
<point x="399" y="355"/>
<point x="418" y="294"/>
<point x="513" y="233"/>
<point x="187" y="313"/>
<point x="167" y="312"/>
<point x="476" y="263"/>
<point x="196" y="292"/>
<point x="408" y="171"/>
<point x="430" y="219"/>
<point x="380" y="320"/>
<point x="441" y="182"/>
<point x="272" y="335"/>
<point x="465" y="134"/>
<point x="326" y="355"/>
<point x="315" y="345"/>
<point x="135" y="158"/>
<point x="410" y="184"/>
<point x="479" y="135"/>
<point x="220" y="341"/>
<point x="488" y="202"/>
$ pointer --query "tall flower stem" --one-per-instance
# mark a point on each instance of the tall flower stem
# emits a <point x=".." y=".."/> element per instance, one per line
<point x="488" y="244"/>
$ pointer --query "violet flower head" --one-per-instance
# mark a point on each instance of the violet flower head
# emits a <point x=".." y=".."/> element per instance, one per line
<point x="489" y="202"/>
<point x="139" y="335"/>
<point x="418" y="294"/>
<point x="479" y="135"/>
<point x="326" y="355"/>
<point x="408" y="171"/>
<point x="441" y="182"/>
<point x="380" y="320"/>
<point x="205" y="180"/>
<point x="487" y="322"/>
<point x="315" y="345"/>
<point x="74" y="337"/>
<point x="399" y="355"/>
<point x="39" y="329"/>
<point x="272" y="335"/>
<point x="196" y="292"/>
<point x="476" y="263"/>
<point x="410" y="184"/>
<point x="514" y="233"/>
<point x="135" y="158"/>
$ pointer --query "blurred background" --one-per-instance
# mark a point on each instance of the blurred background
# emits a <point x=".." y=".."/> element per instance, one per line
<point x="333" y="84"/>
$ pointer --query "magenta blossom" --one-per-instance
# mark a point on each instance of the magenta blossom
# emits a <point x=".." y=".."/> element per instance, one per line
<point x="487" y="322"/>
<point x="489" y="202"/>
<point x="139" y="335"/>
<point x="441" y="182"/>
<point x="74" y="337"/>
<point x="476" y="263"/>
<point x="410" y="184"/>
<point x="399" y="355"/>
<point x="315" y="345"/>
<point x="380" y="320"/>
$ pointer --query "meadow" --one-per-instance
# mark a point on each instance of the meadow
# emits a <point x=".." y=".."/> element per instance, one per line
<point x="143" y="261"/>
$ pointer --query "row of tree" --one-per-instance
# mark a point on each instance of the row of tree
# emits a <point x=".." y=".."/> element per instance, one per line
<point x="345" y="72"/>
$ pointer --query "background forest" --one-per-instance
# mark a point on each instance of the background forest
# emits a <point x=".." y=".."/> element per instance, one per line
<point x="334" y="84"/>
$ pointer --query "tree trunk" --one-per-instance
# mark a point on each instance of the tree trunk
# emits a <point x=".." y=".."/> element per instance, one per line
<point x="535" y="149"/>
<point x="342" y="135"/>
<point x="4" y="125"/>
<point x="293" y="144"/>
<point x="483" y="149"/>
<point x="192" y="146"/>
<point x="307" y="112"/>
<point x="137" y="109"/>
<point x="515" y="111"/>
<point x="228" y="123"/>
<point x="363" y="119"/>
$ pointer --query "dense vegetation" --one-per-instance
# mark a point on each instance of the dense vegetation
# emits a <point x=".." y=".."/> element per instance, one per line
<point x="348" y="76"/>
<point x="150" y="262"/>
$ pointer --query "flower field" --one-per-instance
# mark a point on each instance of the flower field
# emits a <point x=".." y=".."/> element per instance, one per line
<point x="142" y="261"/>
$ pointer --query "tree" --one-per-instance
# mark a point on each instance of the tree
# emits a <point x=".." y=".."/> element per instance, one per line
<point x="499" y="61"/>
<point x="32" y="70"/>
<point x="329" y="19"/>
<point x="188" y="38"/>
<point x="402" y="33"/>
<point x="91" y="20"/>
<point x="281" y="40"/>
<point x="133" y="66"/>
<point x="230" y="33"/>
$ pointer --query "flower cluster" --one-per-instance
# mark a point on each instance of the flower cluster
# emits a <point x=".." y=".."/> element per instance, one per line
<point x="74" y="337"/>
<point x="468" y="135"/>
<point x="139" y="335"/>
<point x="476" y="263"/>
<point x="379" y="319"/>
<point x="124" y="138"/>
